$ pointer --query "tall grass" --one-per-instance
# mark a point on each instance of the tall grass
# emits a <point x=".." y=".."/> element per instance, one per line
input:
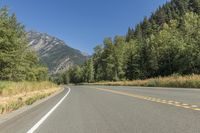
<point x="189" y="81"/>
<point x="8" y="88"/>
<point x="14" y="95"/>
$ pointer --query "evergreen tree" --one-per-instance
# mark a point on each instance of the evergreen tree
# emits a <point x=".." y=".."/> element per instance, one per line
<point x="17" y="61"/>
<point x="130" y="34"/>
<point x="146" y="28"/>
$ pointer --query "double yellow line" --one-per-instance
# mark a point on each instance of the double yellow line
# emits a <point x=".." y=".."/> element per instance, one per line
<point x="153" y="99"/>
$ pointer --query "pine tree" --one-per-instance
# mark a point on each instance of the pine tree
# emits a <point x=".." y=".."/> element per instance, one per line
<point x="146" y="28"/>
<point x="17" y="61"/>
<point x="130" y="34"/>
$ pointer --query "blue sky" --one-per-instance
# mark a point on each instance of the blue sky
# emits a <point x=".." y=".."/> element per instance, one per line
<point x="82" y="24"/>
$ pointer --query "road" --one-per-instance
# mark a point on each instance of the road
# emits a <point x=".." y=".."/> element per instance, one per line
<point x="107" y="109"/>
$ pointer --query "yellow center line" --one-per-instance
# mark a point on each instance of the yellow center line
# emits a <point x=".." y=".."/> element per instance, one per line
<point x="153" y="99"/>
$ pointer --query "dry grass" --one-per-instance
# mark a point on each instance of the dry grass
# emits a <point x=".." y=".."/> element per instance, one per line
<point x="14" y="95"/>
<point x="190" y="81"/>
<point x="8" y="88"/>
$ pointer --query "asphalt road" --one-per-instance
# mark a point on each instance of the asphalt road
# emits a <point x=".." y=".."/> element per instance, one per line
<point x="106" y="109"/>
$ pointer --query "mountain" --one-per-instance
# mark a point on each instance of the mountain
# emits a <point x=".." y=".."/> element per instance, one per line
<point x="54" y="53"/>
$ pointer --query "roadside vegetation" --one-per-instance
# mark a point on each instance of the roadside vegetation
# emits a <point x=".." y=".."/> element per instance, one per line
<point x="14" y="95"/>
<point x="189" y="81"/>
<point x="23" y="80"/>
<point x="9" y="88"/>
<point x="163" y="45"/>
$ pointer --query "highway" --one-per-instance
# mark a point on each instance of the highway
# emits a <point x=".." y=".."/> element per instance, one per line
<point x="109" y="109"/>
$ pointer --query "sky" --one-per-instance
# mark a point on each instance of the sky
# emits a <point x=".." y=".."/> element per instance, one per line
<point x="82" y="24"/>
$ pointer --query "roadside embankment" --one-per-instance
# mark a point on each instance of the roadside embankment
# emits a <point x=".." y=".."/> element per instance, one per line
<point x="14" y="95"/>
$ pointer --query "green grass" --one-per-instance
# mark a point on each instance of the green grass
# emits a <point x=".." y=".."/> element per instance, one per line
<point x="189" y="81"/>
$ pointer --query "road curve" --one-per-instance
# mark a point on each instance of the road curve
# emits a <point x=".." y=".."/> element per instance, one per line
<point x="107" y="109"/>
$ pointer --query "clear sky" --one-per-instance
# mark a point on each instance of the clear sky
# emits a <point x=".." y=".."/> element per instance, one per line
<point x="82" y="24"/>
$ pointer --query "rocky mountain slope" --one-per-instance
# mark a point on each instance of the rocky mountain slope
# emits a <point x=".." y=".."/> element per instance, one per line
<point x="54" y="53"/>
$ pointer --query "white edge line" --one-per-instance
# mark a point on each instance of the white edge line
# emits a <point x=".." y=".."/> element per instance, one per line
<point x="48" y="114"/>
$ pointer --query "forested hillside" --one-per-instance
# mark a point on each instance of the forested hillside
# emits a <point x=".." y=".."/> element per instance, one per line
<point x="173" y="10"/>
<point x="166" y="43"/>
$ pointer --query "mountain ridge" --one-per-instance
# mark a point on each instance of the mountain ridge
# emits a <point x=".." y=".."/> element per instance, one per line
<point x="54" y="52"/>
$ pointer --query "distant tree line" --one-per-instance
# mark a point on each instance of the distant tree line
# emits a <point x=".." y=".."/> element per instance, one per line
<point x="166" y="43"/>
<point x="17" y="61"/>
<point x="76" y="74"/>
